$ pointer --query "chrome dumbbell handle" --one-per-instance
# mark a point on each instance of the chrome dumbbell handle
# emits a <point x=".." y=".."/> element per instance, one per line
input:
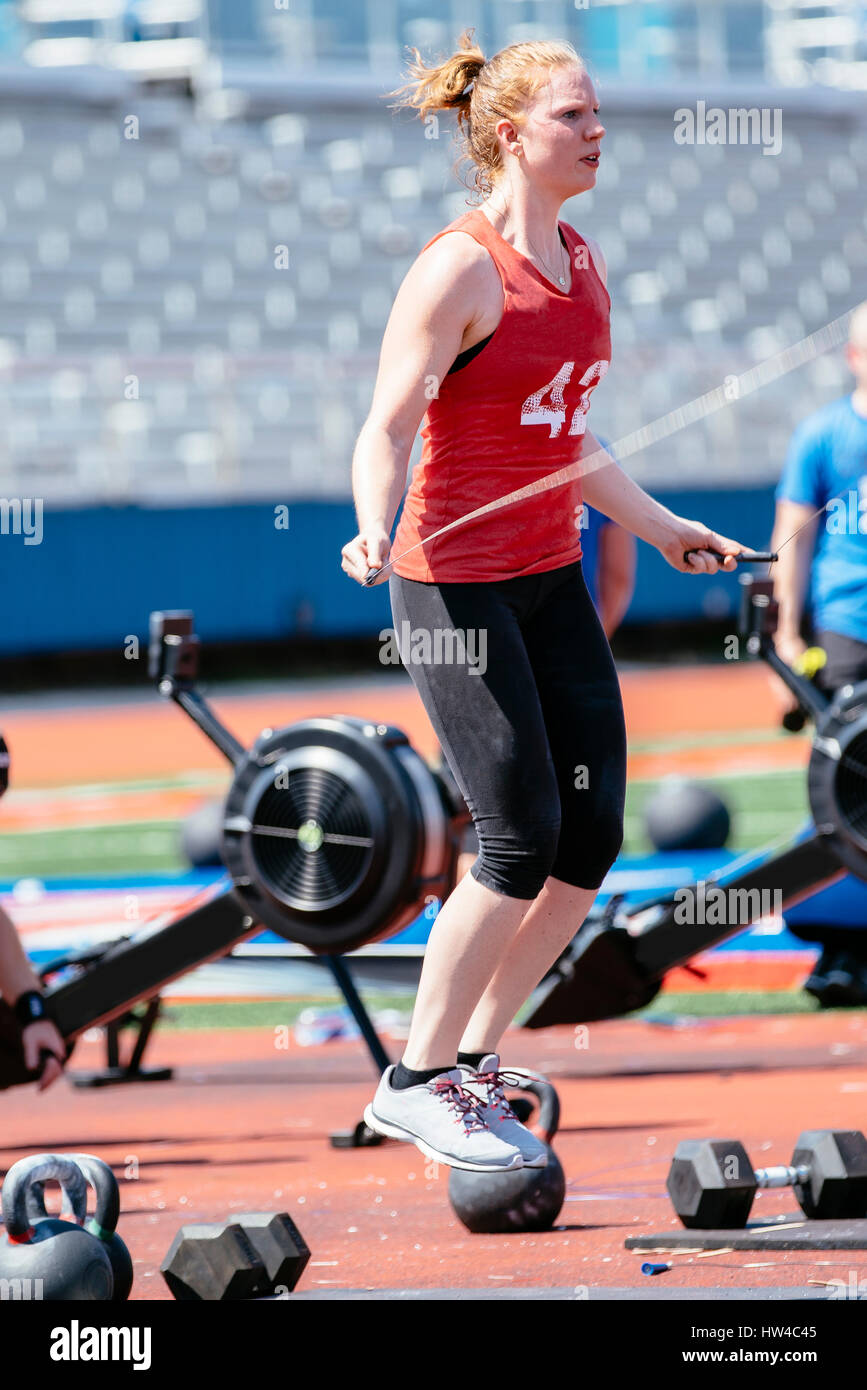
<point x="782" y="1175"/>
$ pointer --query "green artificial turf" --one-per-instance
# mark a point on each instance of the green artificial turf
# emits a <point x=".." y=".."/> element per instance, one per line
<point x="765" y="806"/>
<point x="278" y="1013"/>
<point x="269" y="1013"/>
<point x="151" y="847"/>
<point x="728" y="1003"/>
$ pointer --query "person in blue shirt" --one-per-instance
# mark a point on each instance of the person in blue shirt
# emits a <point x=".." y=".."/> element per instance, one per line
<point x="608" y="555"/>
<point x="608" y="566"/>
<point x="822" y="515"/>
<point x="820" y="531"/>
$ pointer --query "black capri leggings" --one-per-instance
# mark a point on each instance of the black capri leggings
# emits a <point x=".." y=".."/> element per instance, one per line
<point x="519" y="684"/>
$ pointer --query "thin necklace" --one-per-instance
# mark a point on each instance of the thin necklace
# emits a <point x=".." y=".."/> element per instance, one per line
<point x="561" y="279"/>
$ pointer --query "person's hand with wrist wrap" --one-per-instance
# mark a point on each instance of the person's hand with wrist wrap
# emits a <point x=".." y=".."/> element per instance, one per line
<point x="40" y="1038"/>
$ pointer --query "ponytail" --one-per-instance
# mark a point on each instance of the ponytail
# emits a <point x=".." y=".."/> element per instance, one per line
<point x="483" y="92"/>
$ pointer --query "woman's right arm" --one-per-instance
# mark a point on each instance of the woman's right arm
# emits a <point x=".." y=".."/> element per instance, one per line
<point x="439" y="299"/>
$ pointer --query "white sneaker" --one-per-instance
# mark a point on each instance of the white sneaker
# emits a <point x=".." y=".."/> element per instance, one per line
<point x="443" y="1120"/>
<point x="487" y="1083"/>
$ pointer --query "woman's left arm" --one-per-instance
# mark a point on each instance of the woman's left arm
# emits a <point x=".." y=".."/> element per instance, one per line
<point x="613" y="492"/>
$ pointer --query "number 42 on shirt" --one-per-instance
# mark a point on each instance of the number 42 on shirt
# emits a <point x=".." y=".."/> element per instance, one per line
<point x="533" y="412"/>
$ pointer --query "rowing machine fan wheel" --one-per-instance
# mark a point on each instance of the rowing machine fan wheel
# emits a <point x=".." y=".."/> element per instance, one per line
<point x="837" y="775"/>
<point x="337" y="833"/>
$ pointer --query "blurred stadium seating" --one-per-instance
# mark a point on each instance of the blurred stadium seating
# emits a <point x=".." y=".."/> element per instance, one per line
<point x="205" y="214"/>
<point x="154" y="258"/>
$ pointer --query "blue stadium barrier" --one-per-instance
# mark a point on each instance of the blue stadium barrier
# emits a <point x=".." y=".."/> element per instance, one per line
<point x="99" y="571"/>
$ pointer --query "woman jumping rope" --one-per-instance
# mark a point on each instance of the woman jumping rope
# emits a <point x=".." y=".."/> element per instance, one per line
<point x="497" y="336"/>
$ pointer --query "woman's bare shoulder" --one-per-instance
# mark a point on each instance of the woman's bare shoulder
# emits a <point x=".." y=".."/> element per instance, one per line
<point x="459" y="252"/>
<point x="455" y="274"/>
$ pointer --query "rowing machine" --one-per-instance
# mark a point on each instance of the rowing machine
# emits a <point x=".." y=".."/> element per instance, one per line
<point x="336" y="833"/>
<point x="617" y="961"/>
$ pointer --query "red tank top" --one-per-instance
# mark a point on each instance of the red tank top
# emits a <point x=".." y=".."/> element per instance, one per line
<point x="514" y="413"/>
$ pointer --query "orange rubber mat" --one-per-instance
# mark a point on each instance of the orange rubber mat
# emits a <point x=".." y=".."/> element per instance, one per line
<point x="151" y="739"/>
<point x="244" y="1126"/>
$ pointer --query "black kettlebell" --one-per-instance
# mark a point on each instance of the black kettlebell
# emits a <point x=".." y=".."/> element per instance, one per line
<point x="55" y="1260"/>
<point x="102" y="1224"/>
<point x="527" y="1199"/>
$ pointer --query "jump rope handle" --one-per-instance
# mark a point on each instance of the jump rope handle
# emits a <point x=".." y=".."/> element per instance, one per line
<point x="746" y="557"/>
<point x="370" y="576"/>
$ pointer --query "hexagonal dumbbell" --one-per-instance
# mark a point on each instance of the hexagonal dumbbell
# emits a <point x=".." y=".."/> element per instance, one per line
<point x="253" y="1256"/>
<point x="712" y="1183"/>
